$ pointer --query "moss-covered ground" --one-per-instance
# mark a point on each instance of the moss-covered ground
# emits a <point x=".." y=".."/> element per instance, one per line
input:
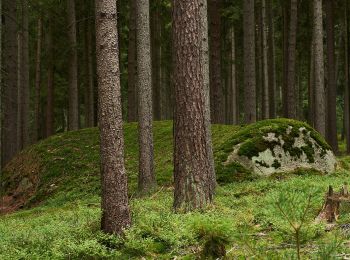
<point x="61" y="220"/>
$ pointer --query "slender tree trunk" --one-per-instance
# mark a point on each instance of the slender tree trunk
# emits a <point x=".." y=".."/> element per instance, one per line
<point x="10" y="92"/>
<point x="216" y="95"/>
<point x="347" y="86"/>
<point x="266" y="82"/>
<point x="191" y="161"/>
<point x="132" y="101"/>
<point x="19" y="85"/>
<point x="73" y="115"/>
<point x="249" y="62"/>
<point x="311" y="90"/>
<point x="1" y="89"/>
<point x="331" y="82"/>
<point x="259" y="63"/>
<point x="234" y="87"/>
<point x="147" y="180"/>
<point x="271" y="61"/>
<point x="285" y="59"/>
<point x="206" y="80"/>
<point x="320" y="115"/>
<point x="115" y="205"/>
<point x="37" y="82"/>
<point x="50" y="84"/>
<point x="291" y="91"/>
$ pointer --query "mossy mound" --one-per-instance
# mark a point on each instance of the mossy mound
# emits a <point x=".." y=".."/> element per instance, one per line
<point x="277" y="145"/>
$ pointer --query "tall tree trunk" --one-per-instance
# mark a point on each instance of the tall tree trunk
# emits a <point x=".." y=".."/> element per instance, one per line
<point x="249" y="62"/>
<point x="37" y="82"/>
<point x="271" y="61"/>
<point x="311" y="90"/>
<point x="206" y="80"/>
<point x="146" y="180"/>
<point x="216" y="95"/>
<point x="331" y="82"/>
<point x="25" y="77"/>
<point x="10" y="94"/>
<point x="347" y="86"/>
<point x="1" y="89"/>
<point x="191" y="161"/>
<point x="50" y="84"/>
<point x="234" y="87"/>
<point x="320" y="116"/>
<point x="259" y="63"/>
<point x="291" y="91"/>
<point x="285" y="58"/>
<point x="266" y="82"/>
<point x="73" y="101"/>
<point x="19" y="85"/>
<point x="115" y="205"/>
<point x="91" y="90"/>
<point x="132" y="93"/>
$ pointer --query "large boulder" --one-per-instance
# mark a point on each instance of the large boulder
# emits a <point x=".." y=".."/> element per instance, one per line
<point x="276" y="146"/>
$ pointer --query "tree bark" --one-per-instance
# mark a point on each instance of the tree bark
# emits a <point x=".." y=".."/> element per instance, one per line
<point x="132" y="93"/>
<point x="19" y="83"/>
<point x="291" y="91"/>
<point x="320" y="124"/>
<point x="285" y="58"/>
<point x="206" y="80"/>
<point x="234" y="87"/>
<point x="266" y="82"/>
<point x="347" y="86"/>
<point x="115" y="205"/>
<point x="271" y="61"/>
<point x="216" y="93"/>
<point x="10" y="92"/>
<point x="146" y="180"/>
<point x="73" y="101"/>
<point x="249" y="62"/>
<point x="1" y="89"/>
<point x="191" y="161"/>
<point x="331" y="82"/>
<point x="37" y="82"/>
<point x="50" y="84"/>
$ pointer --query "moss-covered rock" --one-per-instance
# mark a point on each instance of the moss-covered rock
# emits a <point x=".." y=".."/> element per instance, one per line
<point x="277" y="145"/>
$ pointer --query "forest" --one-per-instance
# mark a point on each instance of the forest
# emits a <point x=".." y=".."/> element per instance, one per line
<point x="174" y="129"/>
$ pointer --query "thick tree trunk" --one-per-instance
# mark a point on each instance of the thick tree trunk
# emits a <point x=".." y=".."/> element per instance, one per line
<point x="37" y="82"/>
<point x="115" y="206"/>
<point x="271" y="61"/>
<point x="347" y="86"/>
<point x="132" y="93"/>
<point x="50" y="84"/>
<point x="206" y="80"/>
<point x="216" y="93"/>
<point x="291" y="91"/>
<point x="331" y="82"/>
<point x="146" y="180"/>
<point x="266" y="82"/>
<point x="193" y="183"/>
<point x="320" y="117"/>
<point x="73" y="101"/>
<point x="249" y="62"/>
<point x="10" y="92"/>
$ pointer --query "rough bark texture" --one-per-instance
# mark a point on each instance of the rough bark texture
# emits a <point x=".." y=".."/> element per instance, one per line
<point x="205" y="72"/>
<point x="347" y="90"/>
<point x="10" y="94"/>
<point x="331" y="81"/>
<point x="191" y="161"/>
<point x="271" y="61"/>
<point x="37" y="82"/>
<point x="1" y="89"/>
<point x="216" y="93"/>
<point x="311" y="90"/>
<point x="285" y="59"/>
<point x="73" y="102"/>
<point x="320" y="124"/>
<point x="292" y="33"/>
<point x="234" y="87"/>
<point x="249" y="62"/>
<point x="50" y="84"/>
<point x="146" y="180"/>
<point x="19" y="86"/>
<point x="132" y="93"/>
<point x="115" y="207"/>
<point x="266" y="82"/>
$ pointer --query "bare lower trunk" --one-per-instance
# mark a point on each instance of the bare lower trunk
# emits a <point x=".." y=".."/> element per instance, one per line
<point x="37" y="82"/>
<point x="271" y="61"/>
<point x="50" y="85"/>
<point x="73" y="115"/>
<point x="265" y="100"/>
<point x="191" y="161"/>
<point x="147" y="179"/>
<point x="347" y="86"/>
<point x="249" y="63"/>
<point x="320" y="124"/>
<point x="115" y="206"/>
<point x="234" y="87"/>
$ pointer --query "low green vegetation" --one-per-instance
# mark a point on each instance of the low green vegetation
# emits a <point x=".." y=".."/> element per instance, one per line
<point x="61" y="221"/>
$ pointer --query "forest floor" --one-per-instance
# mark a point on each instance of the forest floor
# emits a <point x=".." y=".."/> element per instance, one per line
<point x="61" y="218"/>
